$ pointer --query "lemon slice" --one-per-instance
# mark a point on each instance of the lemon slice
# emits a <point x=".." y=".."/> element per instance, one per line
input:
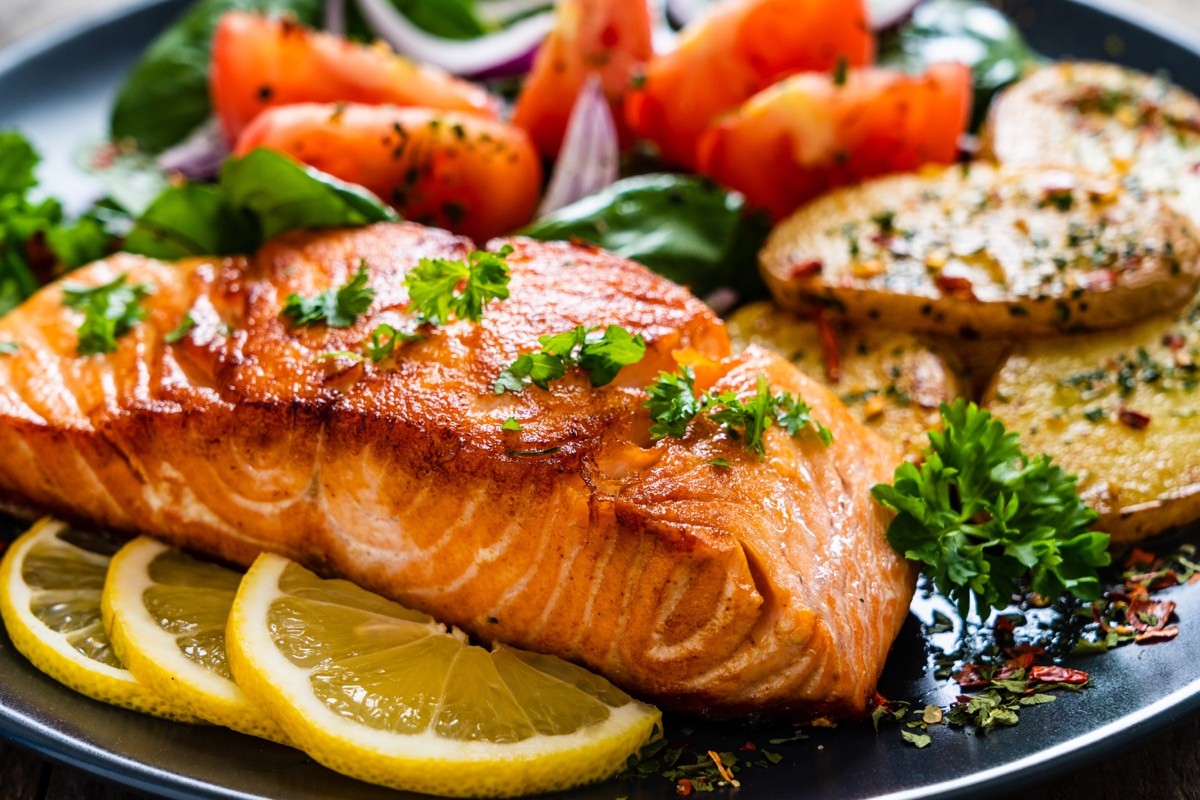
<point x="388" y="695"/>
<point x="165" y="613"/>
<point x="50" y="583"/>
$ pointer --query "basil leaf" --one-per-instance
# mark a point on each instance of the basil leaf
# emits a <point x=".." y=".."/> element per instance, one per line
<point x="259" y="196"/>
<point x="966" y="31"/>
<point x="685" y="228"/>
<point x="165" y="96"/>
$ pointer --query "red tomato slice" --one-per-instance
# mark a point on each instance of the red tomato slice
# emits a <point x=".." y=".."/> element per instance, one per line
<point x="739" y="48"/>
<point x="462" y="172"/>
<point x="259" y="62"/>
<point x="611" y="38"/>
<point x="806" y="135"/>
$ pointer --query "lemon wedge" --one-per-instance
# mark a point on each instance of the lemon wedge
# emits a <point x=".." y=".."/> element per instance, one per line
<point x="387" y="695"/>
<point x="165" y="613"/>
<point x="50" y="584"/>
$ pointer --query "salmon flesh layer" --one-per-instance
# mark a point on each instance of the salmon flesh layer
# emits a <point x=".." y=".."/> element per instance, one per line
<point x="764" y="586"/>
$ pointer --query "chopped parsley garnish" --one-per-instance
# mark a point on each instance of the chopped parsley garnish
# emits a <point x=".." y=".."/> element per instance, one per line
<point x="185" y="326"/>
<point x="511" y="424"/>
<point x="841" y="71"/>
<point x="337" y="308"/>
<point x="8" y="348"/>
<point x="600" y="355"/>
<point x="673" y="404"/>
<point x="441" y="290"/>
<point x="110" y="311"/>
<point x="383" y="340"/>
<point x="983" y="517"/>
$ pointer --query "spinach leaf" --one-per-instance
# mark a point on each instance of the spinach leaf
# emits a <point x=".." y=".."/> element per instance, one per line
<point x="284" y="195"/>
<point x="685" y="228"/>
<point x="165" y="97"/>
<point x="259" y="196"/>
<point x="966" y="31"/>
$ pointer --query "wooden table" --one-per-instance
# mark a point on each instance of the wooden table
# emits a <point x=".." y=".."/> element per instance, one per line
<point x="1164" y="768"/>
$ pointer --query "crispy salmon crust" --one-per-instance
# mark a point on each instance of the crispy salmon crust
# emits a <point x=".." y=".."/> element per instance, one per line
<point x="764" y="586"/>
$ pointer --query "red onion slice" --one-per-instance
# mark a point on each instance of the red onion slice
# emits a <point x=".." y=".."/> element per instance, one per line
<point x="199" y="156"/>
<point x="335" y="17"/>
<point x="682" y="12"/>
<point x="884" y="14"/>
<point x="590" y="158"/>
<point x="506" y="52"/>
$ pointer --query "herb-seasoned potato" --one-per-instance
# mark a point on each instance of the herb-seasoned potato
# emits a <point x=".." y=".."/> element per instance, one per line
<point x="1105" y="119"/>
<point x="891" y="381"/>
<point x="981" y="251"/>
<point x="1122" y="411"/>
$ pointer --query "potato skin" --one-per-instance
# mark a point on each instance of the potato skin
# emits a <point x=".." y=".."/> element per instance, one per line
<point x="1122" y="411"/>
<point x="1105" y="119"/>
<point x="890" y="381"/>
<point x="985" y="252"/>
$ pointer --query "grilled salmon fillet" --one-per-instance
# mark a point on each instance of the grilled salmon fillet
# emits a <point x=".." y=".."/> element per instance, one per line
<point x="763" y="586"/>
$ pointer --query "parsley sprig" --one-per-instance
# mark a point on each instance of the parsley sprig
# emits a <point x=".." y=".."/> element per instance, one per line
<point x="441" y="289"/>
<point x="599" y="354"/>
<point x="110" y="311"/>
<point x="337" y="308"/>
<point x="673" y="404"/>
<point x="984" y="518"/>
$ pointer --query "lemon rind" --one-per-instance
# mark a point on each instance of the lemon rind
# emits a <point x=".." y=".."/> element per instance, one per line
<point x="153" y="658"/>
<point x="416" y="762"/>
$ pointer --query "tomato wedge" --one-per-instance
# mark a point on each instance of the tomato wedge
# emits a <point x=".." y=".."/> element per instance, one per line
<point x="809" y="134"/>
<point x="611" y="38"/>
<point x="462" y="172"/>
<point x="259" y="62"/>
<point x="739" y="48"/>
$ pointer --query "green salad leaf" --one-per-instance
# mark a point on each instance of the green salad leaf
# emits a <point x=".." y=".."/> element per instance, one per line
<point x="259" y="196"/>
<point x="36" y="240"/>
<point x="969" y="32"/>
<point x="683" y="227"/>
<point x="984" y="519"/>
<point x="165" y="97"/>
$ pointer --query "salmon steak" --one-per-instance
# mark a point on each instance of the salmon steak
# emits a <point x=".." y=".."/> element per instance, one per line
<point x="758" y="585"/>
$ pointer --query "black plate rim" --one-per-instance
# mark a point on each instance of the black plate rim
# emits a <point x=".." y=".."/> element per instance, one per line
<point x="1118" y="736"/>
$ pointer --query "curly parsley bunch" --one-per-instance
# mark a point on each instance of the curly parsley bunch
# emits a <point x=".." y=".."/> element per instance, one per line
<point x="985" y="519"/>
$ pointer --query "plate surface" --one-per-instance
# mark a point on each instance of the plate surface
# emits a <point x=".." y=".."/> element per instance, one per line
<point x="58" y="89"/>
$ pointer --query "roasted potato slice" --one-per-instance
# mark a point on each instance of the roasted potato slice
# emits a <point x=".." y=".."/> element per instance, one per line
<point x="1122" y="411"/>
<point x="891" y="381"/>
<point x="984" y="252"/>
<point x="1106" y="119"/>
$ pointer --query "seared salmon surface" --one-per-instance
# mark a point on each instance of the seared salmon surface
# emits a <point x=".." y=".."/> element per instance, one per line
<point x="764" y="586"/>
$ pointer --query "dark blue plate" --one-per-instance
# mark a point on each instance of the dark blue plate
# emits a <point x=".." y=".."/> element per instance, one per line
<point x="58" y="89"/>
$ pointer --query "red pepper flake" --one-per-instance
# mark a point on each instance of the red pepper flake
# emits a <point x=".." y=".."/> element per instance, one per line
<point x="1023" y="661"/>
<point x="749" y="747"/>
<point x="970" y="677"/>
<point x="683" y="787"/>
<point x="803" y="269"/>
<point x="1044" y="674"/>
<point x="829" y="346"/>
<point x="1174" y="341"/>
<point x="955" y="286"/>
<point x="1157" y="636"/>
<point x="1134" y="419"/>
<point x="1145" y="615"/>
<point x="1003" y="625"/>
<point x="1140" y="558"/>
